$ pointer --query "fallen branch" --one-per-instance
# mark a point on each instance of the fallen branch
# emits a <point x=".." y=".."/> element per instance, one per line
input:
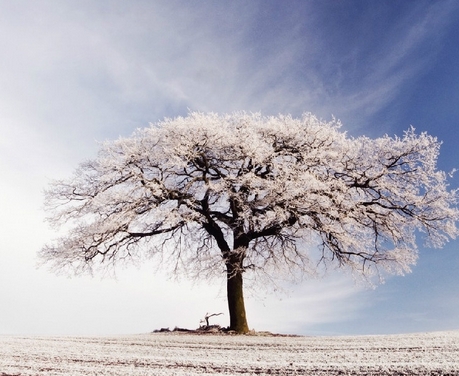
<point x="207" y="317"/>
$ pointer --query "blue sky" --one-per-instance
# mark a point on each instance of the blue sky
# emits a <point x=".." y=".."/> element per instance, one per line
<point x="74" y="73"/>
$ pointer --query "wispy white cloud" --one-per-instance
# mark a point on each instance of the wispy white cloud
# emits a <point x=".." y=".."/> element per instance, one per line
<point x="117" y="67"/>
<point x="333" y="299"/>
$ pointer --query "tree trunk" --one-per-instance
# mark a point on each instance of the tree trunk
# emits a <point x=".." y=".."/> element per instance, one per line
<point x="238" y="319"/>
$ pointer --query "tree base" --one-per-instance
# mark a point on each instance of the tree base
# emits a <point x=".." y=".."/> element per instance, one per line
<point x="218" y="330"/>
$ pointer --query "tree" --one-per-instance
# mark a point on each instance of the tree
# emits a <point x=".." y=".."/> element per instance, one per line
<point x="233" y="193"/>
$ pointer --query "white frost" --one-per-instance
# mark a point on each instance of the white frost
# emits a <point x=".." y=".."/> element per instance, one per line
<point x="207" y="184"/>
<point x="185" y="354"/>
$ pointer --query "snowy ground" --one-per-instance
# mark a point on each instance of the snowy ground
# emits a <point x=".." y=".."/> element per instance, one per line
<point x="188" y="354"/>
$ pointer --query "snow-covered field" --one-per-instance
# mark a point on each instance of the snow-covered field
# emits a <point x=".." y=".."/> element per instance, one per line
<point x="190" y="354"/>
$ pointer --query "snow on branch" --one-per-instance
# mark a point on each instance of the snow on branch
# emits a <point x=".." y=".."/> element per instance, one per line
<point x="258" y="193"/>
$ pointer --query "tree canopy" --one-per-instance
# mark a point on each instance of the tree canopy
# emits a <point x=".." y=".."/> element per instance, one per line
<point x="211" y="193"/>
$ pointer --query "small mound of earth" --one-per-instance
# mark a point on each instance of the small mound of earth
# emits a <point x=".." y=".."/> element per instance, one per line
<point x="217" y="329"/>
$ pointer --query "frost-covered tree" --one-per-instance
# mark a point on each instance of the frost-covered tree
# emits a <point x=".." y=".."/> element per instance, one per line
<point x="209" y="194"/>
